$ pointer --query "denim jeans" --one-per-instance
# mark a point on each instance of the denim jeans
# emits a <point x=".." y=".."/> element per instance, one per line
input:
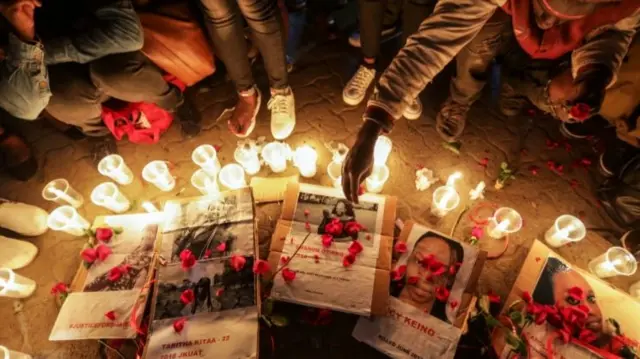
<point x="372" y="13"/>
<point x="78" y="90"/>
<point x="226" y="30"/>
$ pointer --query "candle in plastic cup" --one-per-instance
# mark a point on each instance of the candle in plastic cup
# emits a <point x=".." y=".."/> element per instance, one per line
<point x="247" y="157"/>
<point x="232" y="176"/>
<point x="14" y="285"/>
<point x="634" y="290"/>
<point x="566" y="229"/>
<point x="445" y="199"/>
<point x="504" y="221"/>
<point x="206" y="157"/>
<point x="451" y="181"/>
<point x="5" y="353"/>
<point x="149" y="207"/>
<point x="113" y="166"/>
<point x="615" y="261"/>
<point x="204" y="183"/>
<point x="108" y="195"/>
<point x="381" y="151"/>
<point x="306" y="159"/>
<point x="157" y="173"/>
<point x="378" y="177"/>
<point x="477" y="192"/>
<point x="275" y="155"/>
<point x="60" y="191"/>
<point x="67" y="219"/>
<point x="334" y="170"/>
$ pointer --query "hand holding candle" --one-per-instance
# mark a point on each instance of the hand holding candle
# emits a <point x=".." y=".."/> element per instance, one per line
<point x="504" y="221"/>
<point x="61" y="192"/>
<point x="113" y="166"/>
<point x="157" y="173"/>
<point x="108" y="195"/>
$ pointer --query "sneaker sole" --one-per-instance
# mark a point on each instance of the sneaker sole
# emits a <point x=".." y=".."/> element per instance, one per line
<point x="567" y="134"/>
<point x="603" y="170"/>
<point x="412" y="116"/>
<point x="255" y="114"/>
<point x="353" y="101"/>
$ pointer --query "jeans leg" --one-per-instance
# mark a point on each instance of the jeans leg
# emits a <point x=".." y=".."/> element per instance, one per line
<point x="132" y="77"/>
<point x="75" y="99"/>
<point x="415" y="11"/>
<point x="265" y="20"/>
<point x="474" y="61"/>
<point x="224" y="25"/>
<point x="371" y="26"/>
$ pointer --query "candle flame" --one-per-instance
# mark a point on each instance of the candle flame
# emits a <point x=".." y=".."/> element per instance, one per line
<point x="442" y="204"/>
<point x="453" y="178"/>
<point x="149" y="207"/>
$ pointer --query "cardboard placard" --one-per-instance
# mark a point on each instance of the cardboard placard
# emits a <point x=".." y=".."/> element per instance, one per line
<point x="270" y="189"/>
<point x="321" y="278"/>
<point x="548" y="277"/>
<point x="418" y="324"/>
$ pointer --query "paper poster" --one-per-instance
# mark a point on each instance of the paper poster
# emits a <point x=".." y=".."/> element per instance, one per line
<point x="322" y="280"/>
<point x="421" y="322"/>
<point x="549" y="279"/>
<point x="83" y="314"/>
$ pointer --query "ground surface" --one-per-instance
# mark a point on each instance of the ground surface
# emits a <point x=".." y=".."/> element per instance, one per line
<point x="322" y="117"/>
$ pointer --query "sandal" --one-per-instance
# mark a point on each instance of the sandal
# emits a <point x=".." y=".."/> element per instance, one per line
<point x="16" y="158"/>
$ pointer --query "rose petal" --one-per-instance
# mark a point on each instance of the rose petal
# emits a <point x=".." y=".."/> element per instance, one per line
<point x="103" y="252"/>
<point x="493" y="297"/>
<point x="307" y="226"/>
<point x="187" y="296"/>
<point x="453" y="304"/>
<point x="59" y="288"/>
<point x="576" y="293"/>
<point x="284" y="259"/>
<point x="219" y="292"/>
<point x="442" y="293"/>
<point x="115" y="273"/>
<point x="261" y="267"/>
<point x="104" y="234"/>
<point x="207" y="253"/>
<point x="526" y="296"/>
<point x="413" y="280"/>
<point x="89" y="255"/>
<point x="400" y="247"/>
<point x="178" y="324"/>
<point x="306" y="212"/>
<point x="288" y="275"/>
<point x="327" y="239"/>
<point x="237" y="262"/>
<point x="355" y="247"/>
<point x="221" y="247"/>
<point x="348" y="260"/>
<point x="111" y="315"/>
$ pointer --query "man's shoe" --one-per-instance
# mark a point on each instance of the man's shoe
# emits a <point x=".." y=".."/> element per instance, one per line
<point x="581" y="130"/>
<point x="189" y="118"/>
<point x="388" y="33"/>
<point x="414" y="110"/>
<point x="451" y="120"/>
<point x="614" y="158"/>
<point x="356" y="89"/>
<point x="283" y="113"/>
<point x="243" y="119"/>
<point x="101" y="147"/>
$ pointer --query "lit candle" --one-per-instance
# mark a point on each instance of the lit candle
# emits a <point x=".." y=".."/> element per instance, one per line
<point x="113" y="166"/>
<point x="634" y="290"/>
<point x="275" y="155"/>
<point x="157" y="173"/>
<point x="306" y="158"/>
<point x="247" y="156"/>
<point x="478" y="192"/>
<point x="334" y="170"/>
<point x="615" y="261"/>
<point x="206" y="157"/>
<point x="14" y="285"/>
<point x="381" y="151"/>
<point x="149" y="207"/>
<point x="504" y="221"/>
<point x="67" y="219"/>
<point x="566" y="229"/>
<point x="232" y="176"/>
<point x="445" y="199"/>
<point x="11" y="354"/>
<point x="206" y="184"/>
<point x="59" y="191"/>
<point x="108" y="195"/>
<point x="453" y="178"/>
<point x="376" y="180"/>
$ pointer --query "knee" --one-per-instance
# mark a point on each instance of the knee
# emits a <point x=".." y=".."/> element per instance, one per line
<point x="218" y="12"/>
<point x="115" y="69"/>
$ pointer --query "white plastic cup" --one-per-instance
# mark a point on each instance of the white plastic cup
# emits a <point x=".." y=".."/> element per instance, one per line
<point x="114" y="167"/>
<point x="232" y="176"/>
<point x="13" y="285"/>
<point x="504" y="221"/>
<point x="206" y="157"/>
<point x="60" y="191"/>
<point x="204" y="183"/>
<point x="306" y="159"/>
<point x="445" y="199"/>
<point x="379" y="176"/>
<point x="334" y="170"/>
<point x="248" y="159"/>
<point x="108" y="195"/>
<point x="275" y="155"/>
<point x="566" y="229"/>
<point x="614" y="262"/>
<point x="67" y="219"/>
<point x="158" y="174"/>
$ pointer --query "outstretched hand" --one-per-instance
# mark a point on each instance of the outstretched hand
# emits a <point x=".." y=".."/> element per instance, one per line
<point x="359" y="162"/>
<point x="587" y="88"/>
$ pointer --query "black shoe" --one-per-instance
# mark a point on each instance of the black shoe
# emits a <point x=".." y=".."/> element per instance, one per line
<point x="101" y="147"/>
<point x="580" y="130"/>
<point x="189" y="118"/>
<point x="613" y="159"/>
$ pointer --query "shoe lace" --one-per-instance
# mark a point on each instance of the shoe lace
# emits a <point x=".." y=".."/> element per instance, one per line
<point x="361" y="79"/>
<point x="278" y="104"/>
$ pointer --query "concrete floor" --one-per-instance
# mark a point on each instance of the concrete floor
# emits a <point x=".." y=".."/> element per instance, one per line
<point x="322" y="117"/>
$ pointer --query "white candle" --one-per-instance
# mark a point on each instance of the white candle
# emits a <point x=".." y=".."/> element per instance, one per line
<point x="206" y="157"/>
<point x="634" y="290"/>
<point x="60" y="191"/>
<point x="275" y="155"/>
<point x="232" y="176"/>
<point x="204" y="183"/>
<point x="14" y="285"/>
<point x="451" y="181"/>
<point x="247" y="157"/>
<point x="334" y="170"/>
<point x="149" y="207"/>
<point x="478" y="192"/>
<point x="157" y="173"/>
<point x="445" y="199"/>
<point x="566" y="229"/>
<point x="113" y="166"/>
<point x="378" y="177"/>
<point x="67" y="219"/>
<point x="108" y="195"/>
<point x="306" y="158"/>
<point x="504" y="221"/>
<point x="615" y="261"/>
<point x="11" y="354"/>
<point x="381" y="150"/>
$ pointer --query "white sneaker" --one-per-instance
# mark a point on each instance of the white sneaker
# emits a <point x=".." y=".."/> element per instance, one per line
<point x="356" y="89"/>
<point x="283" y="113"/>
<point x="414" y="111"/>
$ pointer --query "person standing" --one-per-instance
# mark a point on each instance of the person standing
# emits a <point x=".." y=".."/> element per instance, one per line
<point x="226" y="30"/>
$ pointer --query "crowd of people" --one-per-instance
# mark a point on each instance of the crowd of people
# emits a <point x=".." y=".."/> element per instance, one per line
<point x="553" y="55"/>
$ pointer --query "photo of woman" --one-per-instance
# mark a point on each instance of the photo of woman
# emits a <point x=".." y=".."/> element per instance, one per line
<point x="343" y="211"/>
<point x="422" y="294"/>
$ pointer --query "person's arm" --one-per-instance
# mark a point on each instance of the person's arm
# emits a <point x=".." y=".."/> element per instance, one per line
<point x="116" y="30"/>
<point x="24" y="82"/>
<point x="453" y="24"/>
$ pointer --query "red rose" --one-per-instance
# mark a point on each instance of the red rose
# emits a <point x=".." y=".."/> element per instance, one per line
<point x="59" y="288"/>
<point x="261" y="266"/>
<point x="221" y="247"/>
<point x="89" y="255"/>
<point x="207" y="254"/>
<point x="103" y="252"/>
<point x="348" y="260"/>
<point x="111" y="315"/>
<point x="307" y="226"/>
<point x="576" y="293"/>
<point x="306" y="212"/>
<point x="493" y="297"/>
<point x="442" y="293"/>
<point x="355" y="247"/>
<point x="284" y="259"/>
<point x="288" y="275"/>
<point x="178" y="324"/>
<point x="440" y="271"/>
<point x="104" y="234"/>
<point x="580" y="112"/>
<point x="237" y="262"/>
<point x="526" y="296"/>
<point x="413" y="280"/>
<point x="353" y="228"/>
<point x="398" y="273"/>
<point x="114" y="274"/>
<point x="334" y="227"/>
<point x="435" y="265"/>
<point x="587" y="336"/>
<point x="327" y="239"/>
<point x="219" y="292"/>
<point x="187" y="296"/>
<point x="400" y="247"/>
<point x="187" y="259"/>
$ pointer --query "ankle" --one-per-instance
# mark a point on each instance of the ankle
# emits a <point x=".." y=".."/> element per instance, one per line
<point x="281" y="91"/>
<point x="369" y="63"/>
<point x="250" y="92"/>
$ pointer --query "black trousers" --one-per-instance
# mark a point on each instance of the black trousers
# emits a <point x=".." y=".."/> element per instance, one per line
<point x="78" y="90"/>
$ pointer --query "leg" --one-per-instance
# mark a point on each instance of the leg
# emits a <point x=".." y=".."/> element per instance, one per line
<point x="371" y="27"/>
<point x="415" y="11"/>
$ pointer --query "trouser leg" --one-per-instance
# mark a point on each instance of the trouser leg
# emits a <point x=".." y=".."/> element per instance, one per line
<point x="415" y="11"/>
<point x="371" y="26"/>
